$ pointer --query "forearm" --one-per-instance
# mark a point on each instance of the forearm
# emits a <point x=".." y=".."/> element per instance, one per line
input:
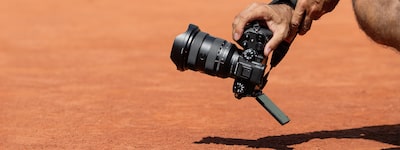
<point x="380" y="20"/>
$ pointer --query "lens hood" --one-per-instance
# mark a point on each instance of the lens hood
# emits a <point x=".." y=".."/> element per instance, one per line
<point x="180" y="48"/>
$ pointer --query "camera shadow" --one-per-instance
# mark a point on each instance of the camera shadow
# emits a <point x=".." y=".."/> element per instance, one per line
<point x="389" y="134"/>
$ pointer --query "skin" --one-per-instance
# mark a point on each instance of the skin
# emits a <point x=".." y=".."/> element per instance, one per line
<point x="277" y="18"/>
<point x="285" y="22"/>
<point x="308" y="10"/>
<point x="383" y="30"/>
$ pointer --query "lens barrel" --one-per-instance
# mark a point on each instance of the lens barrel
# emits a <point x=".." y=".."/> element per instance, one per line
<point x="199" y="51"/>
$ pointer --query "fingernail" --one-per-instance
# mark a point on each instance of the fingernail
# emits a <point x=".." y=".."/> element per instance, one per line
<point x="236" y="36"/>
<point x="267" y="51"/>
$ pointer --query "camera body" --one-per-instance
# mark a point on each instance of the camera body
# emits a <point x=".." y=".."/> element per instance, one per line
<point x="250" y="67"/>
<point x="199" y="51"/>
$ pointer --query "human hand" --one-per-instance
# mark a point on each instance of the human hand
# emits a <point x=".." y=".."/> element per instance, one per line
<point x="308" y="10"/>
<point x="277" y="17"/>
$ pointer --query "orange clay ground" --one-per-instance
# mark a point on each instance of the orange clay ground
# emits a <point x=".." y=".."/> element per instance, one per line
<point x="96" y="74"/>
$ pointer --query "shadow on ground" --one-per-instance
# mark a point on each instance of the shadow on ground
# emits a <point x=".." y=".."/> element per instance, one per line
<point x="389" y="134"/>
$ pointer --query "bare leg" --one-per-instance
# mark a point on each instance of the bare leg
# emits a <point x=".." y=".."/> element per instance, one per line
<point x="380" y="20"/>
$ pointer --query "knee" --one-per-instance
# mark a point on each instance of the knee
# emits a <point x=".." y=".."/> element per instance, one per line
<point x="378" y="19"/>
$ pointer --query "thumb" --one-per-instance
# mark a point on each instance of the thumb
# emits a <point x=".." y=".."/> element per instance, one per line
<point x="273" y="43"/>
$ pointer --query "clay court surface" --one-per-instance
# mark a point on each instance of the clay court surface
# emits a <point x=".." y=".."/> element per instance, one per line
<point x="96" y="74"/>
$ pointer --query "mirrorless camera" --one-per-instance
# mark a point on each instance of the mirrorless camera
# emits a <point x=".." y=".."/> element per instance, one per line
<point x="199" y="51"/>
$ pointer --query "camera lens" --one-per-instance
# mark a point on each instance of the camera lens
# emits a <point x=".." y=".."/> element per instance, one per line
<point x="199" y="51"/>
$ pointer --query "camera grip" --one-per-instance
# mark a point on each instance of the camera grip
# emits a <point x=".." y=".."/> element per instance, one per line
<point x="272" y="109"/>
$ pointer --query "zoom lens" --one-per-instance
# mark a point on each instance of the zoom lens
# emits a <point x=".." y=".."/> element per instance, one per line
<point x="199" y="51"/>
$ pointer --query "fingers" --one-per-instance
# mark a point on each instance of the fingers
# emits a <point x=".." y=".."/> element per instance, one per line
<point x="239" y="22"/>
<point x="291" y="35"/>
<point x="251" y="13"/>
<point x="280" y="33"/>
<point x="281" y="29"/>
<point x="303" y="17"/>
<point x="304" y="14"/>
<point x="273" y="43"/>
<point x="237" y="26"/>
<point x="297" y="18"/>
<point x="277" y="18"/>
<point x="305" y="26"/>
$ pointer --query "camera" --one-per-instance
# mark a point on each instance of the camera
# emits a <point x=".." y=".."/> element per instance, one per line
<point x="199" y="51"/>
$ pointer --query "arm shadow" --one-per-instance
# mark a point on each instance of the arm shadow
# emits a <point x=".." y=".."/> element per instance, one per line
<point x="389" y="134"/>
